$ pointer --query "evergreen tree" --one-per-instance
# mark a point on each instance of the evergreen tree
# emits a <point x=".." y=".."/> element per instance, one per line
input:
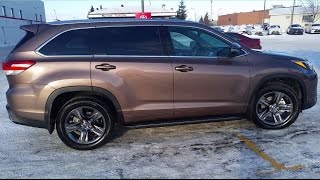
<point x="182" y="12"/>
<point x="91" y="9"/>
<point x="201" y="20"/>
<point x="206" y="19"/>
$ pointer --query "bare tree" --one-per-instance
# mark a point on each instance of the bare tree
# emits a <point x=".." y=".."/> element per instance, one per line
<point x="312" y="7"/>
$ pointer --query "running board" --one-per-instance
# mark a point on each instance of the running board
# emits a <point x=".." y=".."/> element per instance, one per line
<point x="180" y="122"/>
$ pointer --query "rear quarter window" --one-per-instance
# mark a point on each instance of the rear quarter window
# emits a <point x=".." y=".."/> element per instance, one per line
<point x="74" y="42"/>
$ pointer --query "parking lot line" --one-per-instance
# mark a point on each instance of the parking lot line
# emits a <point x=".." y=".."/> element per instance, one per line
<point x="277" y="165"/>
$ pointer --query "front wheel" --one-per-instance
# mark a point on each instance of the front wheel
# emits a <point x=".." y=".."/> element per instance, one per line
<point x="84" y="123"/>
<point x="275" y="106"/>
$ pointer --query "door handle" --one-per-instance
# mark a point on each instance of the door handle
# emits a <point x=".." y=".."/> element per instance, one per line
<point x="183" y="68"/>
<point x="105" y="67"/>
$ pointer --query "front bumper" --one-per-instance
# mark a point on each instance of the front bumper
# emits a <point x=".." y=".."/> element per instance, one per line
<point x="25" y="121"/>
<point x="310" y="96"/>
<point x="315" y="31"/>
<point x="296" y="32"/>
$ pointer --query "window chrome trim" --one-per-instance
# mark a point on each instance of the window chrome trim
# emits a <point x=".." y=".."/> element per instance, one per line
<point x="128" y="56"/>
<point x="37" y="51"/>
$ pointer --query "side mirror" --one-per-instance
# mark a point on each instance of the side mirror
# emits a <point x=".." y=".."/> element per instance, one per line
<point x="235" y="48"/>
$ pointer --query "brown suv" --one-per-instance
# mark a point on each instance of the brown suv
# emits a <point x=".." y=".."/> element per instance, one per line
<point x="82" y="77"/>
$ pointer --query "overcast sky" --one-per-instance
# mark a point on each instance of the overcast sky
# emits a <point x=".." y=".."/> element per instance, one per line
<point x="78" y="9"/>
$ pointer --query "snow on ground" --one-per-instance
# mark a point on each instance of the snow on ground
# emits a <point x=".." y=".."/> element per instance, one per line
<point x="210" y="150"/>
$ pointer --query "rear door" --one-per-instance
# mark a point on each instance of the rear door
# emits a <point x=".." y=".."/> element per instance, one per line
<point x="129" y="62"/>
<point x="208" y="81"/>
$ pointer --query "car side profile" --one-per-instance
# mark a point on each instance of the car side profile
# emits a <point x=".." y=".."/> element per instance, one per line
<point x="312" y="28"/>
<point x="83" y="77"/>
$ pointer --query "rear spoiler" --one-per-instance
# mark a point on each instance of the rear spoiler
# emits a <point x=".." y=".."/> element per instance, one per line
<point x="34" y="28"/>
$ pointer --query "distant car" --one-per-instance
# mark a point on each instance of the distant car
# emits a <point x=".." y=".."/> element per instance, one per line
<point x="235" y="29"/>
<point x="247" y="41"/>
<point x="313" y="28"/>
<point x="217" y="28"/>
<point x="274" y="30"/>
<point x="255" y="30"/>
<point x="295" y="29"/>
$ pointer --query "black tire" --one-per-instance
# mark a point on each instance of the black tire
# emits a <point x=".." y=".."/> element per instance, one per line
<point x="275" y="87"/>
<point x="105" y="117"/>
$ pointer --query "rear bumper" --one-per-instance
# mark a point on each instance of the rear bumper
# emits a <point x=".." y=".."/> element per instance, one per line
<point x="25" y="121"/>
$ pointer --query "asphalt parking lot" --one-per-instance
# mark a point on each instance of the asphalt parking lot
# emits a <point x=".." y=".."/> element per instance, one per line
<point x="232" y="149"/>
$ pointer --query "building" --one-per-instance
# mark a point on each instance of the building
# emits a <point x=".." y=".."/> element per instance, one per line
<point x="123" y="11"/>
<point x="254" y="17"/>
<point x="278" y="15"/>
<point x="15" y="13"/>
<point x="282" y="16"/>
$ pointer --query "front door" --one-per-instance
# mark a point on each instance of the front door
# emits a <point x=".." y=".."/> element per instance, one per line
<point x="208" y="79"/>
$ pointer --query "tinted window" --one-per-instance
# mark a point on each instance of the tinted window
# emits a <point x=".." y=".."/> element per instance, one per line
<point x="295" y="25"/>
<point x="128" y="41"/>
<point x="75" y="42"/>
<point x="315" y="24"/>
<point x="196" y="42"/>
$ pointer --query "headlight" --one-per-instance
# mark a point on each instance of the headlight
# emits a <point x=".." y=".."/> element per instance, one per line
<point x="304" y="64"/>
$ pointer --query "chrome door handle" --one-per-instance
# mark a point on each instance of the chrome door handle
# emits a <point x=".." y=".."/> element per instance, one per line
<point x="105" y="67"/>
<point x="183" y="68"/>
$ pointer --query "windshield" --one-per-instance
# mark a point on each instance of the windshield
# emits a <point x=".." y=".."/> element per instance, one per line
<point x="315" y="25"/>
<point x="295" y="25"/>
<point x="275" y="26"/>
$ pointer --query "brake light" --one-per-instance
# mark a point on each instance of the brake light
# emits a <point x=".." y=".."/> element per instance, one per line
<point x="16" y="67"/>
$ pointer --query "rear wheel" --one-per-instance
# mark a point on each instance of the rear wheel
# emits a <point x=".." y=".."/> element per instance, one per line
<point x="84" y="123"/>
<point x="275" y="106"/>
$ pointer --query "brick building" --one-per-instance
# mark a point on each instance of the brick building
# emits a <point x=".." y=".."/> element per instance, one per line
<point x="255" y="17"/>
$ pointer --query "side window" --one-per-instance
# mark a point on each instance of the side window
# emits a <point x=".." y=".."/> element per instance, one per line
<point x="74" y="42"/>
<point x="234" y="36"/>
<point x="195" y="42"/>
<point x="135" y="40"/>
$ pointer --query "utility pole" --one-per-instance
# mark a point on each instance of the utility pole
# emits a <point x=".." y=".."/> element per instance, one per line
<point x="211" y="11"/>
<point x="264" y="11"/>
<point x="294" y="4"/>
<point x="142" y="6"/>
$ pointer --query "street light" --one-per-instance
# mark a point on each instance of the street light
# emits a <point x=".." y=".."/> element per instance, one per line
<point x="195" y="14"/>
<point x="219" y="11"/>
<point x="218" y="15"/>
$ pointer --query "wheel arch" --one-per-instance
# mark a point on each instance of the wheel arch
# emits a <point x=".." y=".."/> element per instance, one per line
<point x="77" y="90"/>
<point x="279" y="77"/>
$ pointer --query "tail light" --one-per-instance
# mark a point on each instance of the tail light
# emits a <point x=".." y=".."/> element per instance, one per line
<point x="16" y="67"/>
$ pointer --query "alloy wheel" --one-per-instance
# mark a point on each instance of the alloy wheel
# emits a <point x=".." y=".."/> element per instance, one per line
<point x="85" y="125"/>
<point x="274" y="108"/>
